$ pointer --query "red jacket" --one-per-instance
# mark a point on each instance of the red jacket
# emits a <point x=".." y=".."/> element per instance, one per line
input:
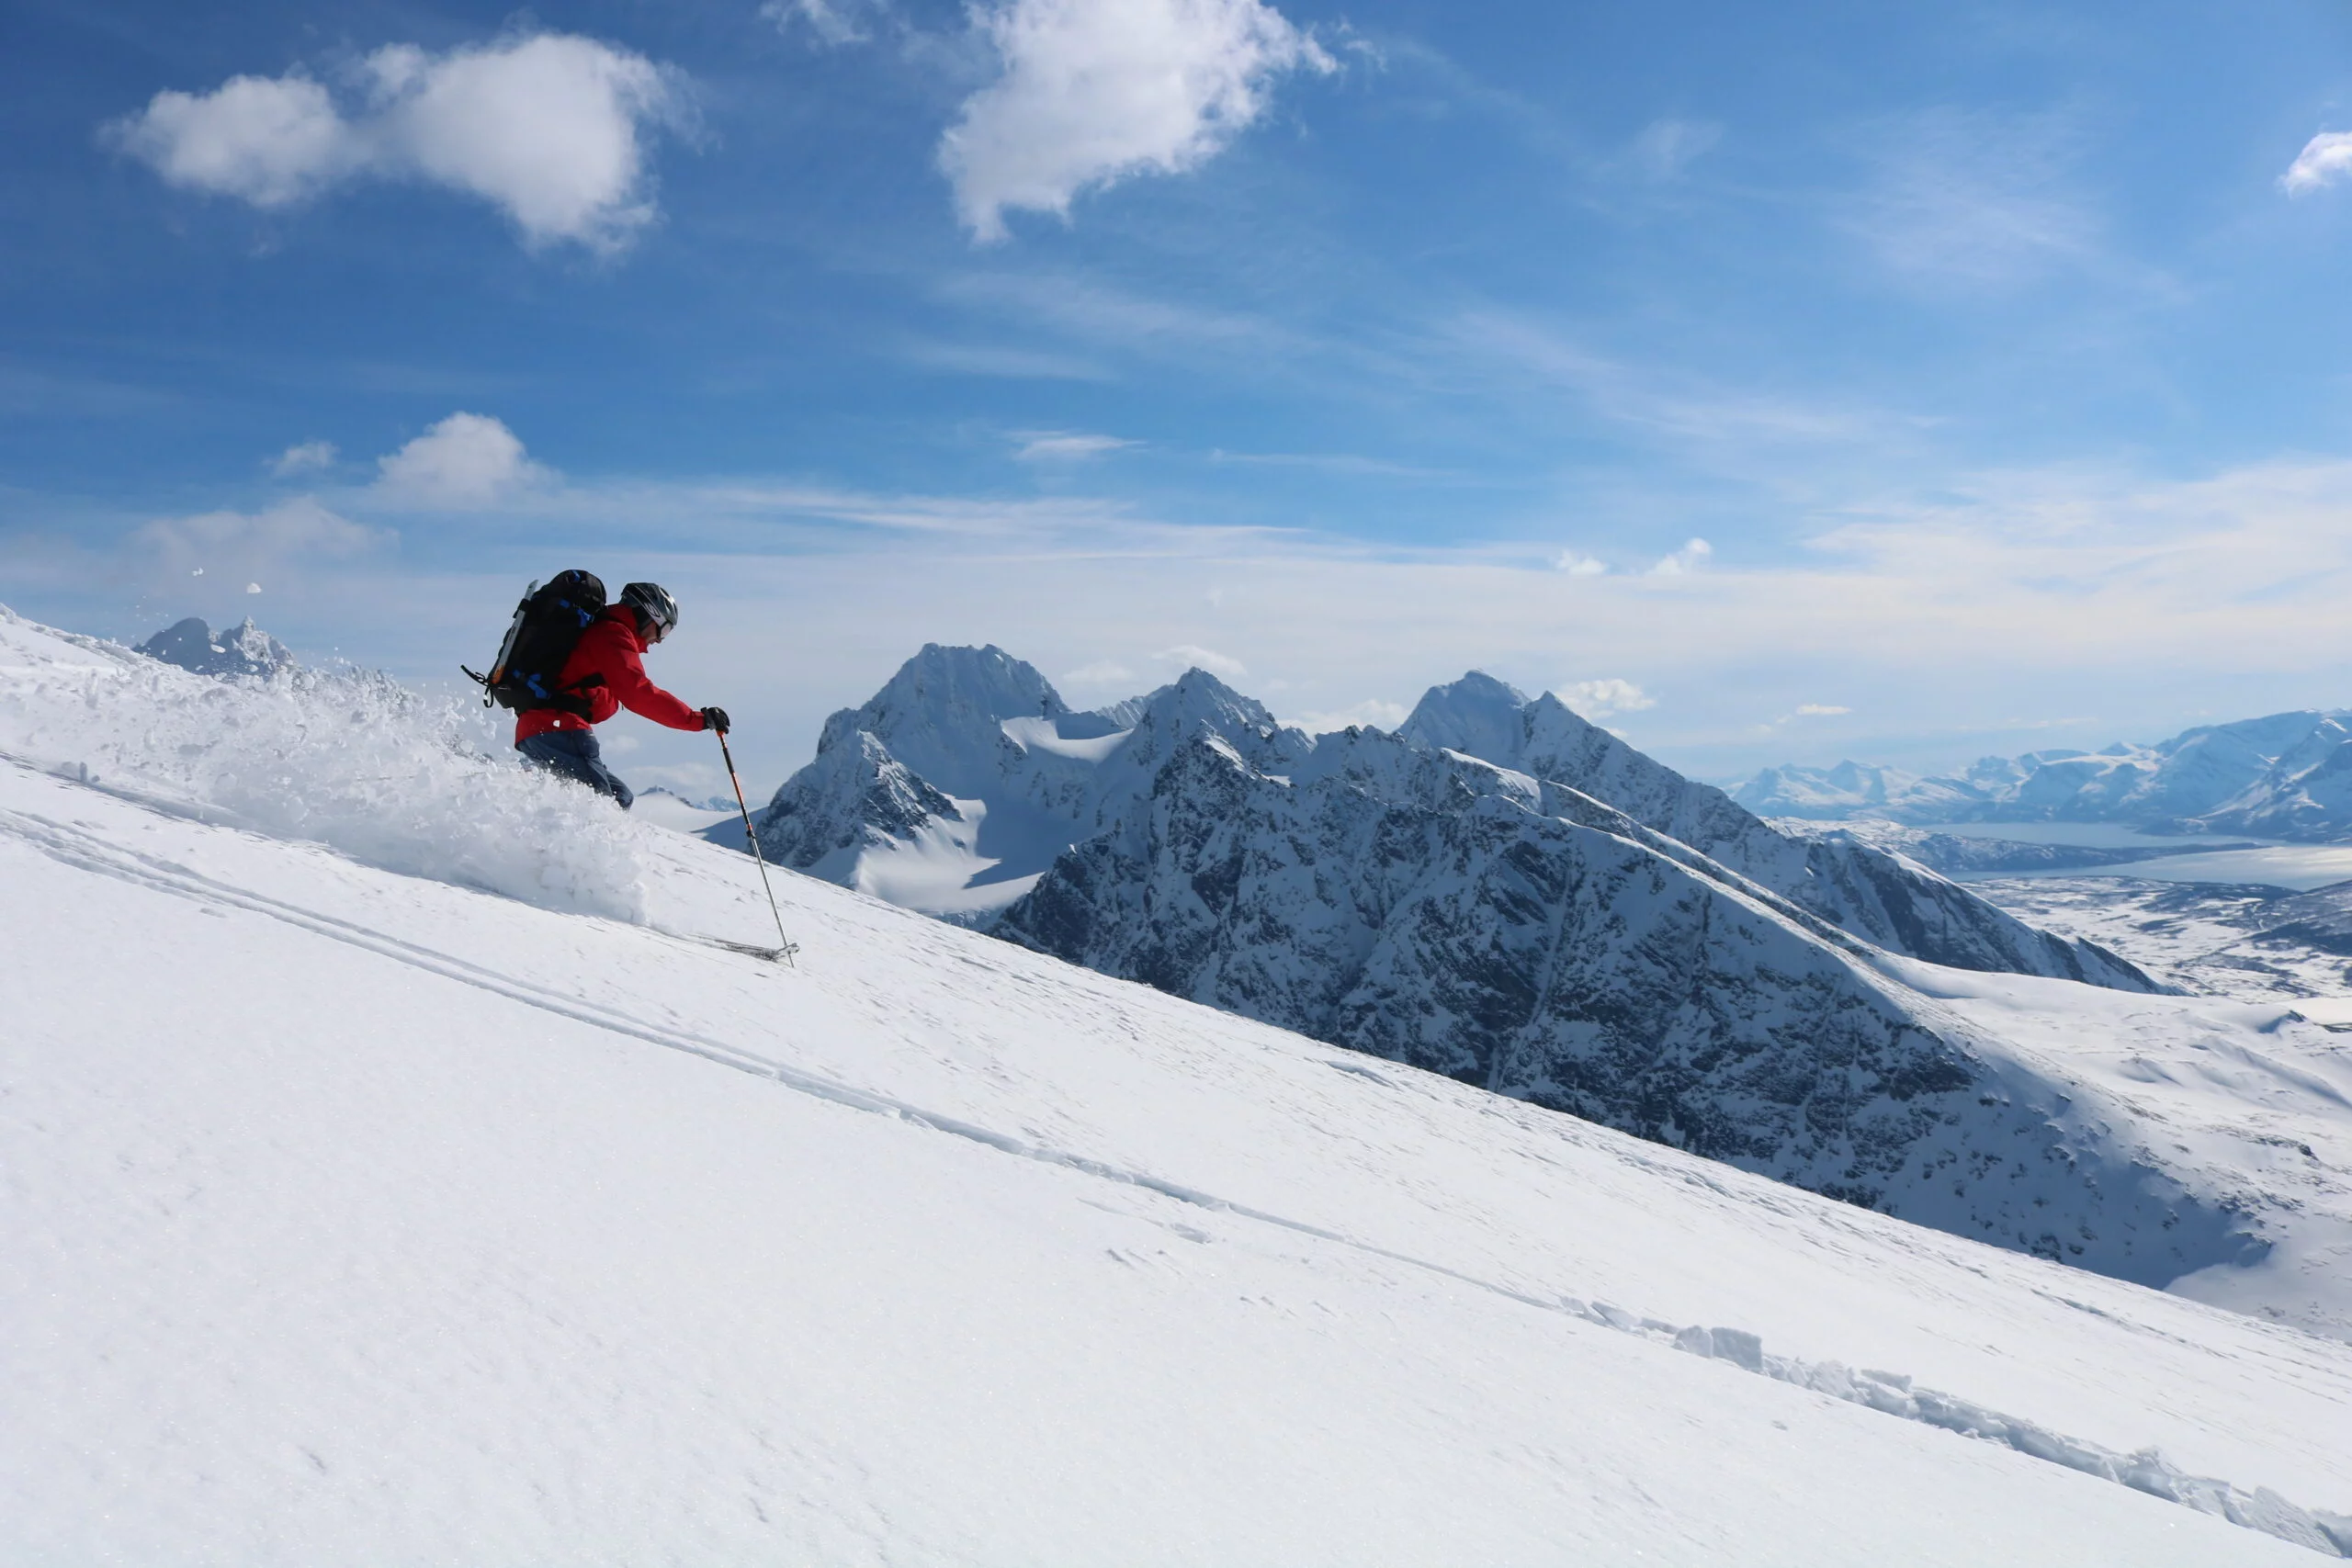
<point x="611" y="648"/>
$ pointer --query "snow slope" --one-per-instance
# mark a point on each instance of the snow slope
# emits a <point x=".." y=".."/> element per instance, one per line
<point x="358" y="1212"/>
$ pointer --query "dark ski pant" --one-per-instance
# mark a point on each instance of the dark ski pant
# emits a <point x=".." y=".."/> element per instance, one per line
<point x="574" y="754"/>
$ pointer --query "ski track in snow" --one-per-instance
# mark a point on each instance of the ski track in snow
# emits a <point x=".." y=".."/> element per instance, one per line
<point x="1891" y="1393"/>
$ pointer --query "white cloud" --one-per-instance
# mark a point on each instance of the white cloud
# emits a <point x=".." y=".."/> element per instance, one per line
<point x="1194" y="658"/>
<point x="1578" y="565"/>
<point x="302" y="459"/>
<point x="2325" y="159"/>
<point x="550" y="128"/>
<point x="1598" y="699"/>
<point x="1688" y="559"/>
<point x="1819" y="710"/>
<point x="466" y="460"/>
<point x="1063" y="446"/>
<point x="1095" y="91"/>
<point x="835" y="22"/>
<point x="271" y="141"/>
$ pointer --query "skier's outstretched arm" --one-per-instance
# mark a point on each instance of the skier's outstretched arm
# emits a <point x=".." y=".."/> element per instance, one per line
<point x="642" y="698"/>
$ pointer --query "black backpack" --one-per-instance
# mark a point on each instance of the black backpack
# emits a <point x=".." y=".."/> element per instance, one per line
<point x="545" y="628"/>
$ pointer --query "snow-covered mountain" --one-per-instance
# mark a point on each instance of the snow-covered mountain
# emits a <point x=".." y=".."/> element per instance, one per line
<point x="2288" y="775"/>
<point x="497" y="1215"/>
<point x="1400" y="896"/>
<point x="1888" y="901"/>
<point x="1420" y="906"/>
<point x="961" y="781"/>
<point x="247" y="650"/>
<point x="955" y="787"/>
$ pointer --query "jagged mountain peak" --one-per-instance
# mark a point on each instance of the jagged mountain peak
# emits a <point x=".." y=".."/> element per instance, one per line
<point x="1195" y="703"/>
<point x="1046" y="781"/>
<point x="1477" y="714"/>
<point x="245" y="650"/>
<point x="1197" y="694"/>
<point x="983" y="681"/>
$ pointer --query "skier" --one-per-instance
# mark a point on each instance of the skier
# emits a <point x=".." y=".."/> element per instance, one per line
<point x="606" y="671"/>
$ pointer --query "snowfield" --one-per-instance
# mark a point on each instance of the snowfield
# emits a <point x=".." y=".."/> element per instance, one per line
<point x="392" y="1172"/>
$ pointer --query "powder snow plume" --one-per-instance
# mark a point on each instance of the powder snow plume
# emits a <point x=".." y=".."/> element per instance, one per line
<point x="355" y="761"/>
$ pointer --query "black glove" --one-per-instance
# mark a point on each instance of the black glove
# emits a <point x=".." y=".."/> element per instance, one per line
<point x="715" y="719"/>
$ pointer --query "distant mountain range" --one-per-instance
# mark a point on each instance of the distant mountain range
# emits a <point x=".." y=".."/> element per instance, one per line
<point x="1509" y="896"/>
<point x="2286" y="776"/>
<point x="246" y="651"/>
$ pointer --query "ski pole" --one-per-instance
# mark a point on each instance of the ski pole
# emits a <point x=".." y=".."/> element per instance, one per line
<point x="786" y="949"/>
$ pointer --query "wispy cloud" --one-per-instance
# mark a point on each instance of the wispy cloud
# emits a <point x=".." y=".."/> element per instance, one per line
<point x="1692" y="556"/>
<point x="1666" y="148"/>
<point x="1063" y="446"/>
<point x="831" y="22"/>
<point x="1973" y="198"/>
<point x="1106" y="316"/>
<point x="307" y="457"/>
<point x="1691" y="408"/>
<point x="1606" y="698"/>
<point x="1377" y="713"/>
<point x="1000" y="360"/>
<point x="1103" y="674"/>
<point x="216" y="559"/>
<point x="1194" y="657"/>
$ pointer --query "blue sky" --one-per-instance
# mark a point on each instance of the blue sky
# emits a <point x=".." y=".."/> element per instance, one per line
<point x="1994" y="355"/>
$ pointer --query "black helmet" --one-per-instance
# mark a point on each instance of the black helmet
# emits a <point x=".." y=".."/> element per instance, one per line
<point x="652" y="600"/>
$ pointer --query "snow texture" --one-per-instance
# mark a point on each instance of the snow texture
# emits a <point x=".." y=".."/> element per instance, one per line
<point x="470" y="1229"/>
<point x="352" y="761"/>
